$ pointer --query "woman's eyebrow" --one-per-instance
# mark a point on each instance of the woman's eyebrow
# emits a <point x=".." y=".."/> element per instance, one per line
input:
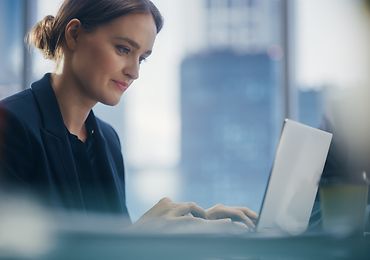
<point x="131" y="42"/>
<point x="128" y="40"/>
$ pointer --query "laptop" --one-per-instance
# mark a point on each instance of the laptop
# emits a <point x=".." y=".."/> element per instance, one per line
<point x="293" y="182"/>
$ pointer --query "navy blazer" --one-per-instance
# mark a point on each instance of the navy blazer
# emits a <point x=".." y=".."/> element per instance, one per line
<point x="36" y="154"/>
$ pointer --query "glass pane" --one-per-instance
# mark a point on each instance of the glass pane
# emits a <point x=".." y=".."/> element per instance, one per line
<point x="11" y="46"/>
<point x="230" y="102"/>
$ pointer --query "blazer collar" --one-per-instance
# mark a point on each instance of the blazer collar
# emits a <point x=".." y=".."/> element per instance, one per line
<point x="48" y="106"/>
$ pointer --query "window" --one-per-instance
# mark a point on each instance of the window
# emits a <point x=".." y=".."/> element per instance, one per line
<point x="11" y="46"/>
<point x="202" y="122"/>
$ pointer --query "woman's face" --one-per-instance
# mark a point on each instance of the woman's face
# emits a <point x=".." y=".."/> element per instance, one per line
<point x="105" y="62"/>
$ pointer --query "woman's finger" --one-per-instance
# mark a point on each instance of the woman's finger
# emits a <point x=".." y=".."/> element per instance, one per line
<point x="239" y="216"/>
<point x="183" y="209"/>
<point x="249" y="213"/>
<point x="236" y="214"/>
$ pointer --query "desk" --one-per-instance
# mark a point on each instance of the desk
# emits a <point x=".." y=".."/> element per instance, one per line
<point x="206" y="247"/>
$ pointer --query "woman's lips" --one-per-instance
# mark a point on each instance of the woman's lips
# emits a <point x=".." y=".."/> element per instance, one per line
<point x="121" y="85"/>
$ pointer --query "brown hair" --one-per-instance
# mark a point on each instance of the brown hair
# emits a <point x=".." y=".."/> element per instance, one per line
<point x="48" y="34"/>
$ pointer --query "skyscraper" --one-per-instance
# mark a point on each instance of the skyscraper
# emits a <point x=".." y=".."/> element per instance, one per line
<point x="229" y="105"/>
<point x="244" y="25"/>
<point x="311" y="106"/>
<point x="229" y="124"/>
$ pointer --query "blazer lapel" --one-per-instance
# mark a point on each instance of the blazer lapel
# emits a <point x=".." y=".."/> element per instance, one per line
<point x="63" y="175"/>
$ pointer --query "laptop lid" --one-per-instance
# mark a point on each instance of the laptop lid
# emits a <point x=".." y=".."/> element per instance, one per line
<point x="294" y="178"/>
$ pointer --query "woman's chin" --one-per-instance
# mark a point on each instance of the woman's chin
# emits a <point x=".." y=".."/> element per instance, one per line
<point x="111" y="102"/>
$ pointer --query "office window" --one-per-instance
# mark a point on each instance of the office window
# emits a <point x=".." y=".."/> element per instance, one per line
<point x="202" y="121"/>
<point x="228" y="139"/>
<point x="11" y="46"/>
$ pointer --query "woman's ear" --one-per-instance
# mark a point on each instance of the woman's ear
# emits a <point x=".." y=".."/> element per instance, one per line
<point x="71" y="33"/>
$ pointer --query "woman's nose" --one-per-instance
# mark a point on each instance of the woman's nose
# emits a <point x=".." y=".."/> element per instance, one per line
<point x="131" y="69"/>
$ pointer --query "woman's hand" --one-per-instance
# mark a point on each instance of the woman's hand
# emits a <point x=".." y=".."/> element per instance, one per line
<point x="167" y="215"/>
<point x="170" y="217"/>
<point x="236" y="214"/>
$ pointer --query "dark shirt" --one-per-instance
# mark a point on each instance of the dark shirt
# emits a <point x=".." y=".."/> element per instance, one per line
<point x="96" y="187"/>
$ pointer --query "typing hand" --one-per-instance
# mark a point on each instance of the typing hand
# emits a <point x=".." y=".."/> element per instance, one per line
<point x="170" y="217"/>
<point x="167" y="216"/>
<point x="236" y="214"/>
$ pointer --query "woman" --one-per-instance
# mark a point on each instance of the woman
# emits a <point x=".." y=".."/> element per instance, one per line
<point x="51" y="142"/>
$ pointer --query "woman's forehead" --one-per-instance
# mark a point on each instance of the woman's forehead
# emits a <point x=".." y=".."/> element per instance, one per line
<point x="139" y="28"/>
<point x="134" y="24"/>
<point x="141" y="22"/>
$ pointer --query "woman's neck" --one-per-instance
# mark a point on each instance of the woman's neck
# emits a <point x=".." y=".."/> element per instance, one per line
<point x="74" y="106"/>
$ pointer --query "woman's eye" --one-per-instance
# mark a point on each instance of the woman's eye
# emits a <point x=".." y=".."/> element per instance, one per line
<point x="122" y="49"/>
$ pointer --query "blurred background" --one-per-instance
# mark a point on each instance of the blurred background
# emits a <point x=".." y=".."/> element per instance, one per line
<point x="202" y="122"/>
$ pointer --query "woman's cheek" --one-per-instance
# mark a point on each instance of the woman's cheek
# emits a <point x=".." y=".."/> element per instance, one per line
<point x="114" y="62"/>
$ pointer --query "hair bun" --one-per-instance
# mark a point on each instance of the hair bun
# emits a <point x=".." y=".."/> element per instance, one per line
<point x="48" y="20"/>
<point x="41" y="36"/>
